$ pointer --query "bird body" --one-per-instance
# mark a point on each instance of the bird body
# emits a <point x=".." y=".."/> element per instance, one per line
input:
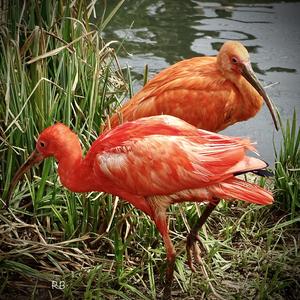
<point x="210" y="93"/>
<point x="152" y="163"/>
<point x="181" y="163"/>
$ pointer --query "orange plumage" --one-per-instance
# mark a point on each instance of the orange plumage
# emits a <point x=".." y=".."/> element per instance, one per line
<point x="152" y="163"/>
<point x="210" y="93"/>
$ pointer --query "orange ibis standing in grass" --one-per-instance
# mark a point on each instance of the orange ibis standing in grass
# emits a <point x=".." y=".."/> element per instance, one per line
<point x="152" y="163"/>
<point x="210" y="93"/>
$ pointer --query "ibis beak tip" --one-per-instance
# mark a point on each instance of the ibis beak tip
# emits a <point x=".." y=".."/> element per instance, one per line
<point x="35" y="158"/>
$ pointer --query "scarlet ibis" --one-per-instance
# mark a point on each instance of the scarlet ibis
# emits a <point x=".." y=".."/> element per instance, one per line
<point x="152" y="163"/>
<point x="210" y="93"/>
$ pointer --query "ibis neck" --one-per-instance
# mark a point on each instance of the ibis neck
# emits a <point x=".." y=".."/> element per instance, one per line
<point x="251" y="99"/>
<point x="74" y="173"/>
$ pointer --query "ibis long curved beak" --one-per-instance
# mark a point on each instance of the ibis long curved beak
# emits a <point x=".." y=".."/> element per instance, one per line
<point x="34" y="158"/>
<point x="250" y="76"/>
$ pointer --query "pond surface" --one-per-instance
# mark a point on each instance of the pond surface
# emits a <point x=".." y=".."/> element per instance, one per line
<point x="160" y="33"/>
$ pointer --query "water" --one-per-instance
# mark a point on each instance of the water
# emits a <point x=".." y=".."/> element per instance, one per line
<point x="160" y="33"/>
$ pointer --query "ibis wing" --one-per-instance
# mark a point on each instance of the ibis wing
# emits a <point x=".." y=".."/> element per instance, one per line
<point x="205" y="102"/>
<point x="159" y="165"/>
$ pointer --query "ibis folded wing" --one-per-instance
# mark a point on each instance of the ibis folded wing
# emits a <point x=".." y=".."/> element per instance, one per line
<point x="159" y="164"/>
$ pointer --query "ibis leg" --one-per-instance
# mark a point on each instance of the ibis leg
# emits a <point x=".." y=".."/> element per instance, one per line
<point x="192" y="248"/>
<point x="162" y="226"/>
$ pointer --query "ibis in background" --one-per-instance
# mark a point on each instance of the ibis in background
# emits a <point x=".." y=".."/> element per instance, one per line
<point x="209" y="92"/>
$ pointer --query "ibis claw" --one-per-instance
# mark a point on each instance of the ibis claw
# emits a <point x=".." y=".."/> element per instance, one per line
<point x="193" y="250"/>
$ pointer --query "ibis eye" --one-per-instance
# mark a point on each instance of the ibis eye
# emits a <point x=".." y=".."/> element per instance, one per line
<point x="234" y="60"/>
<point x="42" y="144"/>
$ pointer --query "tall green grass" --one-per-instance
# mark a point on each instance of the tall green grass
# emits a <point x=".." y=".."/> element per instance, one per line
<point x="287" y="168"/>
<point x="60" y="70"/>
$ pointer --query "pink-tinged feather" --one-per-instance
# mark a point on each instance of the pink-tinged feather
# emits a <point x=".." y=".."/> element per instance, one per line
<point x="239" y="189"/>
<point x="247" y="164"/>
<point x="165" y="156"/>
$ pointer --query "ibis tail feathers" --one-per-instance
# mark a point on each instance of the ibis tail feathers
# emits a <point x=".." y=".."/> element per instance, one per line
<point x="242" y="190"/>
